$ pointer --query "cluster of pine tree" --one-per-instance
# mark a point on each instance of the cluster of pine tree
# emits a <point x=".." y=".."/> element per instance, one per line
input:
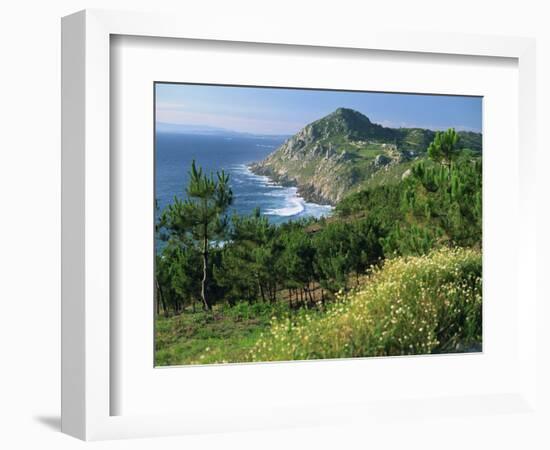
<point x="436" y="205"/>
<point x="303" y="262"/>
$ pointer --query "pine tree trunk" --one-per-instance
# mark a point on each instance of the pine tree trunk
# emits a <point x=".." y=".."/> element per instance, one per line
<point x="204" y="294"/>
<point x="160" y="298"/>
<point x="261" y="288"/>
<point x="309" y="293"/>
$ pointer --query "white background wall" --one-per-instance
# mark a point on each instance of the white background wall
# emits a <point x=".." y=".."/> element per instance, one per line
<point x="30" y="200"/>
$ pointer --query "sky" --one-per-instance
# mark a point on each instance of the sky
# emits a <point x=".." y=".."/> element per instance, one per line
<point x="286" y="111"/>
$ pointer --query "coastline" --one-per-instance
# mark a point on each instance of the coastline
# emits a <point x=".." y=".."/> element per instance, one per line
<point x="297" y="203"/>
<point x="307" y="191"/>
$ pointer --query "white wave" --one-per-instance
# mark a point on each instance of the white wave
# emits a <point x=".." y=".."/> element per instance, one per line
<point x="243" y="170"/>
<point x="239" y="168"/>
<point x="293" y="210"/>
<point x="277" y="193"/>
<point x="294" y="205"/>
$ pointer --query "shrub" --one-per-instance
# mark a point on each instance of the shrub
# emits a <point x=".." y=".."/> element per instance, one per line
<point x="412" y="305"/>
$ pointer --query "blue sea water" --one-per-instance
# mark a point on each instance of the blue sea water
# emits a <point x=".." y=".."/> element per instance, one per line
<point x="175" y="152"/>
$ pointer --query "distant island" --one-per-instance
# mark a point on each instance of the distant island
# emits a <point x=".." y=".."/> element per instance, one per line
<point x="345" y="152"/>
<point x="206" y="130"/>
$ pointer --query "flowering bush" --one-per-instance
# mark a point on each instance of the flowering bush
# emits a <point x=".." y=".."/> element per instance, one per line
<point x="412" y="305"/>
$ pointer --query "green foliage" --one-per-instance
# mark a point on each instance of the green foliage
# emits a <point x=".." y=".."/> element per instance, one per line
<point x="381" y="202"/>
<point x="444" y="203"/>
<point x="200" y="214"/>
<point x="297" y="258"/>
<point x="178" y="276"/>
<point x="200" y="217"/>
<point x="248" y="260"/>
<point x="444" y="147"/>
<point x="470" y="140"/>
<point x="344" y="248"/>
<point x="332" y="262"/>
<point x="224" y="335"/>
<point x="435" y="205"/>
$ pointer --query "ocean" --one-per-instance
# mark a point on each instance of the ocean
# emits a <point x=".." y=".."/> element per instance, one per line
<point x="175" y="152"/>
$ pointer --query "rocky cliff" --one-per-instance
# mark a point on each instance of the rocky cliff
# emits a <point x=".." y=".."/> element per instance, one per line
<point x="343" y="151"/>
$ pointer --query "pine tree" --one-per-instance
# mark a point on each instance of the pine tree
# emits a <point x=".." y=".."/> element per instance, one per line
<point x="297" y="260"/>
<point x="444" y="147"/>
<point x="201" y="217"/>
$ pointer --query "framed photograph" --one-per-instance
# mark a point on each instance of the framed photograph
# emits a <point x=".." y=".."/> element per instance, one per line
<point x="269" y="229"/>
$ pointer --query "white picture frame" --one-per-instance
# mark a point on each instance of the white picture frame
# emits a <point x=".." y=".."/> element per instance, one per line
<point x="87" y="385"/>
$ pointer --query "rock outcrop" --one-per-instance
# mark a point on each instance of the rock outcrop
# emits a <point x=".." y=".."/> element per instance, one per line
<point x="337" y="154"/>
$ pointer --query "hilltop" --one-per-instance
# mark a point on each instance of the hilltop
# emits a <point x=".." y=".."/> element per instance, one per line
<point x="345" y="151"/>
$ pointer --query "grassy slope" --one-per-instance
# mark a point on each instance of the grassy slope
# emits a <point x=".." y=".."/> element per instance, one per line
<point x="413" y="305"/>
<point x="203" y="337"/>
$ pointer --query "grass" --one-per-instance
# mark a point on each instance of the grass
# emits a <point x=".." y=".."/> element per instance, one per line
<point x="389" y="175"/>
<point x="412" y="305"/>
<point x="224" y="335"/>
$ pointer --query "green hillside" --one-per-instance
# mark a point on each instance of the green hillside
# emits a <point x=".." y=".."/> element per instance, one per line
<point x="344" y="152"/>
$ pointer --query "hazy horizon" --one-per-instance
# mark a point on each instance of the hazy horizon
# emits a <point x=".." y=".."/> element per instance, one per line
<point x="284" y="111"/>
